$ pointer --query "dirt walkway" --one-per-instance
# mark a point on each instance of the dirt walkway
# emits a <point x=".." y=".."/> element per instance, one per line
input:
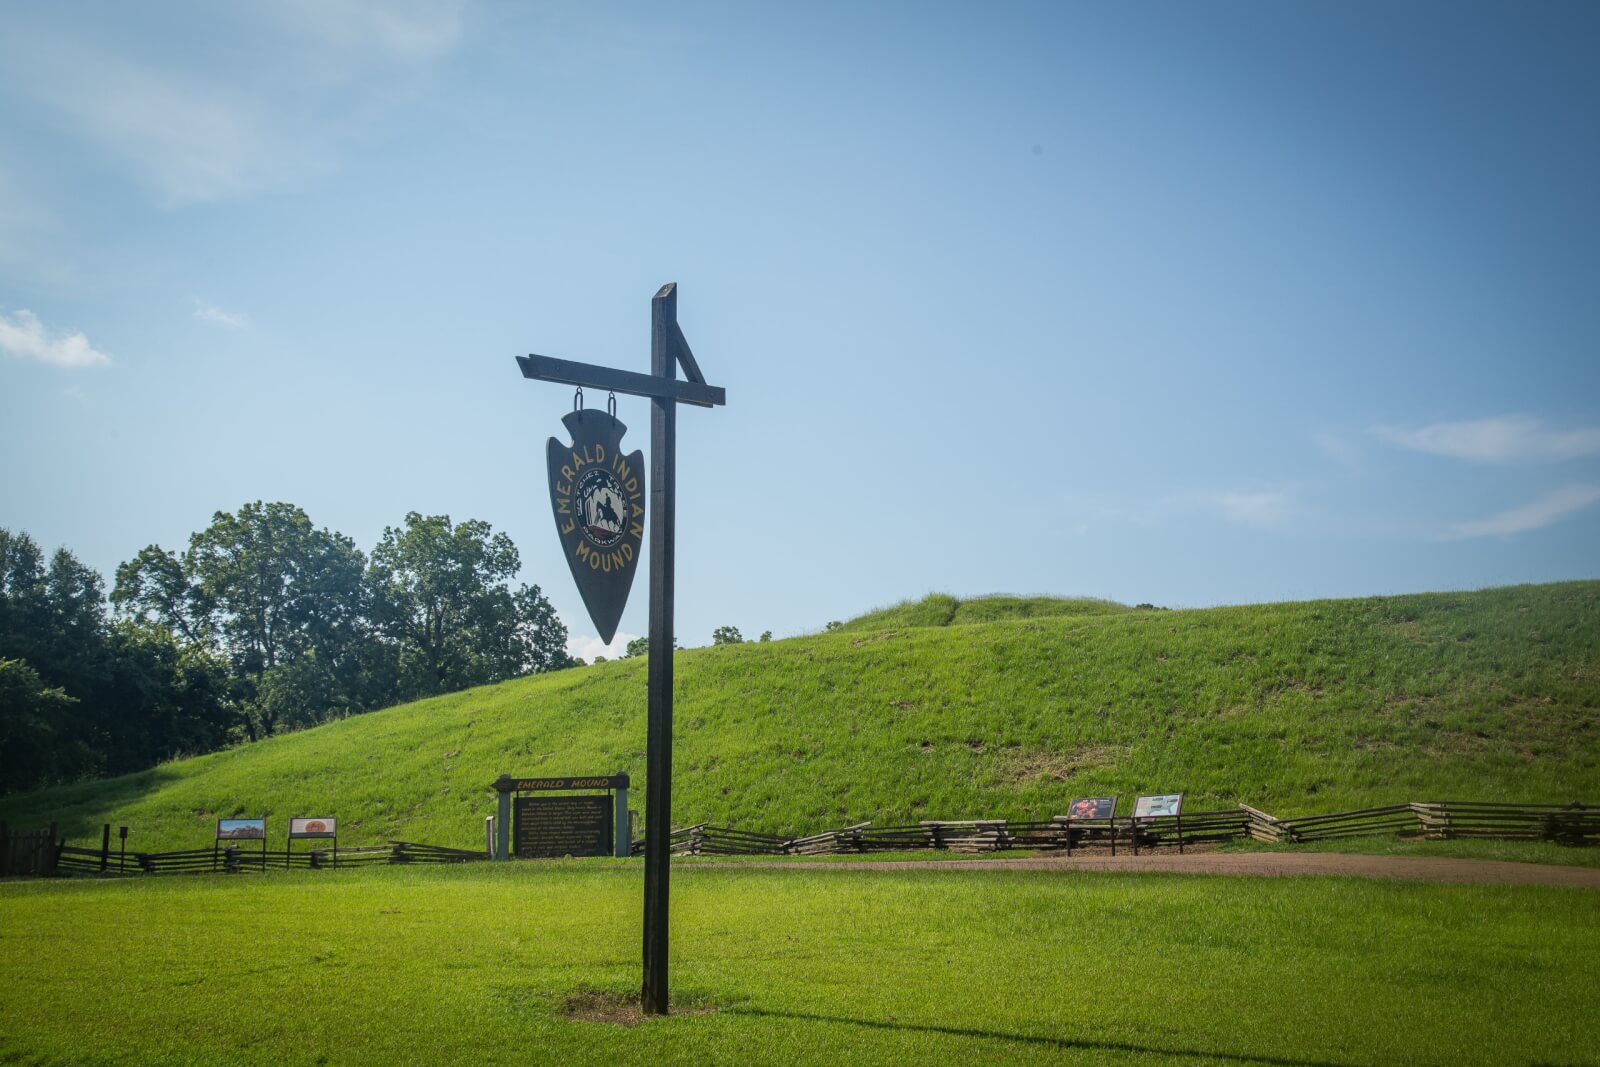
<point x="1412" y="868"/>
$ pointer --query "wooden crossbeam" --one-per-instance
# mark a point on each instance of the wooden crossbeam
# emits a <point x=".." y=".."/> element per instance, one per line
<point x="589" y="376"/>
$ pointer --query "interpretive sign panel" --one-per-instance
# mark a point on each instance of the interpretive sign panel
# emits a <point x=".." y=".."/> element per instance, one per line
<point x="241" y="829"/>
<point x="1160" y="804"/>
<point x="562" y="826"/>
<point x="1092" y="808"/>
<point x="309" y="828"/>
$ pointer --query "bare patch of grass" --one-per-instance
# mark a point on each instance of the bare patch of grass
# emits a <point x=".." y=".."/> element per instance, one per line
<point x="617" y="1009"/>
<point x="593" y="1007"/>
<point x="1026" y="765"/>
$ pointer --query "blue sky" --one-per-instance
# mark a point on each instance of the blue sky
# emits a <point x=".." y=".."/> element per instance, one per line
<point x="1191" y="304"/>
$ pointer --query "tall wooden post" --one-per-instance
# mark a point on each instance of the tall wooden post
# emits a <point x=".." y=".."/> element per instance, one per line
<point x="658" y="750"/>
<point x="669" y="349"/>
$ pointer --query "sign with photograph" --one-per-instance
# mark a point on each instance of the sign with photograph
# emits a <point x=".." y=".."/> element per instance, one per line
<point x="303" y="828"/>
<point x="1092" y="808"/>
<point x="241" y="829"/>
<point x="1155" y="806"/>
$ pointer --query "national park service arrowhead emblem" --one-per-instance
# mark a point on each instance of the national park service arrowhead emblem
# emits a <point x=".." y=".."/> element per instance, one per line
<point x="597" y="494"/>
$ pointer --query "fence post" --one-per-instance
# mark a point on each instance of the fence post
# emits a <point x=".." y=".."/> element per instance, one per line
<point x="622" y="832"/>
<point x="502" y="826"/>
<point x="105" y="847"/>
<point x="51" y="853"/>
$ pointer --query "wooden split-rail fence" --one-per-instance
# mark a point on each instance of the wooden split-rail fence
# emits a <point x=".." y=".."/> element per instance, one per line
<point x="1575" y="824"/>
<point x="234" y="859"/>
<point x="39" y="852"/>
<point x="965" y="835"/>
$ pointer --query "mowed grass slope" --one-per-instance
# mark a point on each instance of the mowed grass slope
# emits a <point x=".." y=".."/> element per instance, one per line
<point x="1295" y="708"/>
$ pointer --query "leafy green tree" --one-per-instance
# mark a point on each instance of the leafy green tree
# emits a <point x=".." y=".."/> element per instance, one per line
<point x="285" y="601"/>
<point x="727" y="635"/>
<point x="29" y="712"/>
<point x="162" y="698"/>
<point x="52" y="617"/>
<point x="640" y="646"/>
<point x="52" y="620"/>
<point x="155" y="587"/>
<point x="281" y="586"/>
<point x="279" y="590"/>
<point x="440" y="591"/>
<point x="24" y="597"/>
<point x="766" y="635"/>
<point x="832" y="626"/>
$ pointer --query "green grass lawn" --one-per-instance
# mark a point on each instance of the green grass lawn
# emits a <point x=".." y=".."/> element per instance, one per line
<point x="475" y="965"/>
<point x="1474" y="848"/>
<point x="1294" y="708"/>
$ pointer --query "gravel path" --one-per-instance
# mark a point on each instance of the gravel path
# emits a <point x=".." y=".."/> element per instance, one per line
<point x="1267" y="864"/>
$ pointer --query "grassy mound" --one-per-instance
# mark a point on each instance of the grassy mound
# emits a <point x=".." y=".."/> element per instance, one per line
<point x="1296" y="708"/>
<point x="942" y="609"/>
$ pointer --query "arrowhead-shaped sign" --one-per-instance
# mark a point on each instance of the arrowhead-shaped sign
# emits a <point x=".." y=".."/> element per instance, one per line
<point x="597" y="494"/>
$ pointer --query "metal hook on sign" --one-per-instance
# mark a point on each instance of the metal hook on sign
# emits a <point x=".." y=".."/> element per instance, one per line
<point x="577" y="399"/>
<point x="611" y="404"/>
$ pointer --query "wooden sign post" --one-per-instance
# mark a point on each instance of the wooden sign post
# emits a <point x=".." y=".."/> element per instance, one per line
<point x="668" y="350"/>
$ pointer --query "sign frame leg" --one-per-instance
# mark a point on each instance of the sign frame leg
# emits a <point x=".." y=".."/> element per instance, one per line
<point x="658" y="753"/>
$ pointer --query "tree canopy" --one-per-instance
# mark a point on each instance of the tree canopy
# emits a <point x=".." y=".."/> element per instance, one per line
<point x="441" y="593"/>
<point x="263" y="623"/>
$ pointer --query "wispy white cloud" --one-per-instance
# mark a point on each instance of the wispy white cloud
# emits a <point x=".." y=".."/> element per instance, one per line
<point x="23" y="336"/>
<point x="1500" y="439"/>
<point x="310" y="77"/>
<point x="1547" y="510"/>
<point x="419" y="31"/>
<point x="188" y="139"/>
<point x="587" y="646"/>
<point x="211" y="313"/>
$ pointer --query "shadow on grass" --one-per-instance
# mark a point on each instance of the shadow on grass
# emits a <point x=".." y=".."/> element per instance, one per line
<point x="78" y="808"/>
<point x="1064" y="1043"/>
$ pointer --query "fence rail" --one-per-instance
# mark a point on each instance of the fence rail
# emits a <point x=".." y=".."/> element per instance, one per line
<point x="1570" y="824"/>
<point x="1576" y="824"/>
<point x="1392" y="819"/>
<point x="235" y="859"/>
<point x="39" y="852"/>
<point x="705" y="840"/>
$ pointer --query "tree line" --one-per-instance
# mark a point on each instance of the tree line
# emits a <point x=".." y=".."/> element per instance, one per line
<point x="264" y="623"/>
